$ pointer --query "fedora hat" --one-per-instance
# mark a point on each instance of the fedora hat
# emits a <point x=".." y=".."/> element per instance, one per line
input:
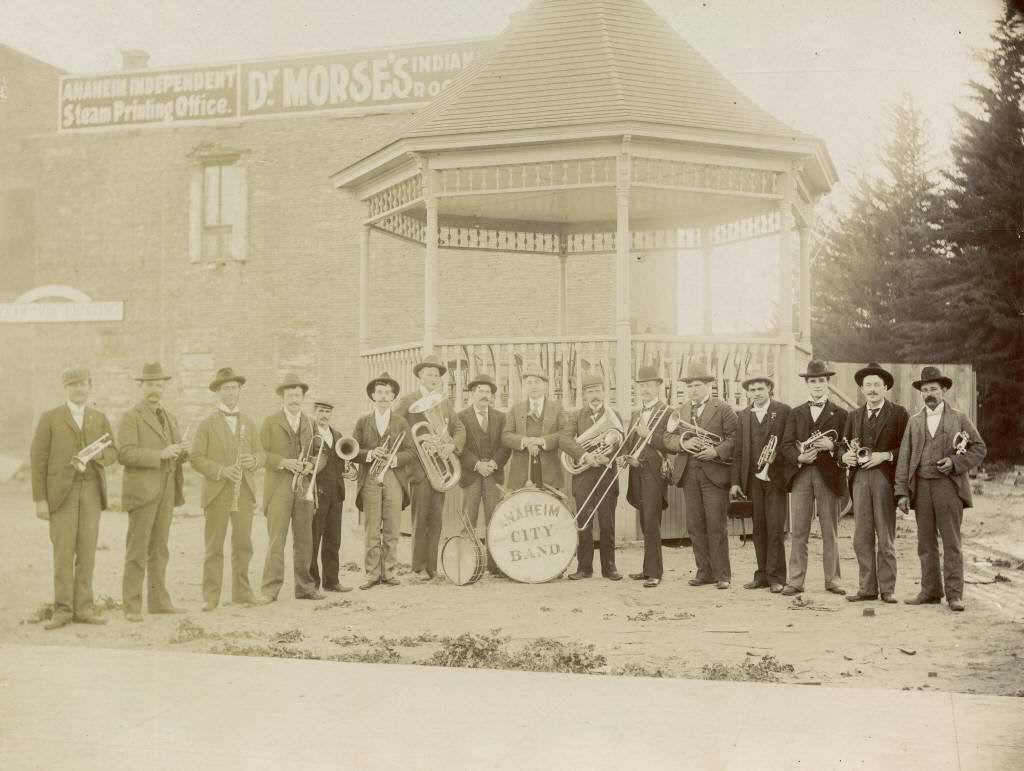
<point x="483" y="379"/>
<point x="226" y="375"/>
<point x="932" y="375"/>
<point x="535" y="372"/>
<point x="645" y="374"/>
<point x="152" y="371"/>
<point x="291" y="380"/>
<point x="430" y="361"/>
<point x="384" y="378"/>
<point x="592" y="380"/>
<point x="874" y="368"/>
<point x="816" y="368"/>
<point x="758" y="379"/>
<point x="696" y="370"/>
<point x="75" y="375"/>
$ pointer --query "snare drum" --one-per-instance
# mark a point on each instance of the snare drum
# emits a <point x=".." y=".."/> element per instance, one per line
<point x="463" y="559"/>
<point x="532" y="536"/>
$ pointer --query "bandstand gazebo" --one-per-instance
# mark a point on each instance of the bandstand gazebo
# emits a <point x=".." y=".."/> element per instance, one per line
<point x="590" y="128"/>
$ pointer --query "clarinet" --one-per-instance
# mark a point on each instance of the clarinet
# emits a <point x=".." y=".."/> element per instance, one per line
<point x="238" y="465"/>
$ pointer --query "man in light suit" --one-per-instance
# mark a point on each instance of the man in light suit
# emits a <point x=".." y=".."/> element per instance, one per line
<point x="226" y="451"/>
<point x="152" y="450"/>
<point x="330" y="498"/>
<point x="763" y="419"/>
<point x="532" y="433"/>
<point x="931" y="478"/>
<point x="428" y="503"/>
<point x="71" y="500"/>
<point x="704" y="474"/>
<point x="483" y="456"/>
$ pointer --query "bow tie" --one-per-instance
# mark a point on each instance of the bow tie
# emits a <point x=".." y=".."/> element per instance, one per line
<point x="229" y="413"/>
<point x="819" y="405"/>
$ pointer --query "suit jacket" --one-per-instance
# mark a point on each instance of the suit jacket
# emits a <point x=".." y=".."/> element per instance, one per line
<point x="718" y="418"/>
<point x="368" y="437"/>
<point x="891" y="423"/>
<point x="473" y="452"/>
<point x="56" y="441"/>
<point x="215" y="445"/>
<point x="573" y="426"/>
<point x="650" y="459"/>
<point x="140" y="439"/>
<point x="455" y="428"/>
<point x="914" y="437"/>
<point x="514" y="433"/>
<point x="279" y="443"/>
<point x="798" y="428"/>
<point x="744" y="466"/>
<point x="330" y="480"/>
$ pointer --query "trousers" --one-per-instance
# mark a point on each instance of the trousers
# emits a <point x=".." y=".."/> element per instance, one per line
<point x="286" y="509"/>
<point x="484" y="489"/>
<point x="326" y="540"/>
<point x="427" y="516"/>
<point x="382" y="508"/>
<point x="218" y="515"/>
<point x="769" y="504"/>
<point x="811" y="493"/>
<point x="707" y="524"/>
<point x="74" y="528"/>
<point x="939" y="512"/>
<point x="874" y="533"/>
<point x="147" y="552"/>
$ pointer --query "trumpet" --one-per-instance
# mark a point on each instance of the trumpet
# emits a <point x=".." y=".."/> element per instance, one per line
<point x="382" y="463"/>
<point x="853" y="445"/>
<point x="960" y="441"/>
<point x="430" y="435"/>
<point x="764" y="460"/>
<point x="601" y="438"/>
<point x="87" y="454"/>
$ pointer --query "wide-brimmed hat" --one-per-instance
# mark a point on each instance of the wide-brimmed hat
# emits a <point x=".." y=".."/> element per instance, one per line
<point x="535" y="372"/>
<point x="816" y="368"/>
<point x="932" y="375"/>
<point x="483" y="379"/>
<point x="648" y="373"/>
<point x="874" y="368"/>
<point x="430" y="361"/>
<point x="291" y="380"/>
<point x="385" y="378"/>
<point x="226" y="375"/>
<point x="696" y="370"/>
<point x="592" y="380"/>
<point x="757" y="379"/>
<point x="152" y="371"/>
<point x="75" y="375"/>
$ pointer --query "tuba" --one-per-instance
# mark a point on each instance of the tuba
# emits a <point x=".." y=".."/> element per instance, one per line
<point x="601" y="438"/>
<point x="429" y="435"/>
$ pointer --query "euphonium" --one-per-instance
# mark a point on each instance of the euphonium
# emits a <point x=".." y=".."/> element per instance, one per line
<point x="764" y="460"/>
<point x="601" y="438"/>
<point x="810" y="443"/>
<point x="708" y="439"/>
<point x="84" y="456"/>
<point x="429" y="435"/>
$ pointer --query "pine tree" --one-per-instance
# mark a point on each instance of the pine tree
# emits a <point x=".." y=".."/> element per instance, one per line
<point x="972" y="304"/>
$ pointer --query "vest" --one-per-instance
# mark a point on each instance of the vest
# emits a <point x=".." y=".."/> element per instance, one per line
<point x="931" y="456"/>
<point x="484" y="438"/>
<point x="758" y="435"/>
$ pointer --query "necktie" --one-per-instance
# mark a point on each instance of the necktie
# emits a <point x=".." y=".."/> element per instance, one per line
<point x="871" y="417"/>
<point x="483" y="420"/>
<point x="694" y="412"/>
<point x="534" y="411"/>
<point x="161" y="418"/>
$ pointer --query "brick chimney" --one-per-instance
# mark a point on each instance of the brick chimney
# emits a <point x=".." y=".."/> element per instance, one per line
<point x="135" y="59"/>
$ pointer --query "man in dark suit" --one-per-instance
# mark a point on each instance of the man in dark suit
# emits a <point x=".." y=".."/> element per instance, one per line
<point x="931" y="478"/>
<point x="814" y="478"/>
<point x="226" y="451"/>
<point x="596" y="487"/>
<point x="646" y="491"/>
<point x="877" y="429"/>
<point x="382" y="496"/>
<point x="765" y="488"/>
<point x="484" y="456"/>
<point x="531" y="432"/>
<point x="71" y="497"/>
<point x="285" y="435"/>
<point x="428" y="503"/>
<point x="330" y="497"/>
<point x="704" y="474"/>
<point x="152" y="450"/>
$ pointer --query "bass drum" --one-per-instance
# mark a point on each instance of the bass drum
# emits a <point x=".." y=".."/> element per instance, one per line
<point x="532" y="536"/>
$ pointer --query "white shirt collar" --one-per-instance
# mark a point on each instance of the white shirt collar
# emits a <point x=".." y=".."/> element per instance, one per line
<point x="761" y="410"/>
<point x="936" y="412"/>
<point x="76" y="409"/>
<point x="537" y="403"/>
<point x="224" y="408"/>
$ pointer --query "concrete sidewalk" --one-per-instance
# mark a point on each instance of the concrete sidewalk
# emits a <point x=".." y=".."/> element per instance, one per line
<point x="112" y="709"/>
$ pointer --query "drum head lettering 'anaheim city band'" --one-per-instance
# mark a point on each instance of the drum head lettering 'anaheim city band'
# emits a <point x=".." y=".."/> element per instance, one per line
<point x="542" y="476"/>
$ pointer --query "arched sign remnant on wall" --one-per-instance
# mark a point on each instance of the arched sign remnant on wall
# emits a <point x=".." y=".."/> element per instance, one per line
<point x="58" y="303"/>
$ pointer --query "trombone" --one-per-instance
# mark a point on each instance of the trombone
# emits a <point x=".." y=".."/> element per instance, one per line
<point x="310" y="465"/>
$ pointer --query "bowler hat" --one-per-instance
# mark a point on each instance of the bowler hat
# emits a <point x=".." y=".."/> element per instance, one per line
<point x="758" y="379"/>
<point x="430" y="361"/>
<point x="932" y="375"/>
<point x="291" y="380"/>
<point x="592" y="380"/>
<point x="75" y="375"/>
<point x="385" y="379"/>
<point x="535" y="372"/>
<point x="696" y="370"/>
<point x="483" y="379"/>
<point x="226" y="375"/>
<point x="817" y="368"/>
<point x="152" y="372"/>
<point x="645" y="374"/>
<point x="874" y="368"/>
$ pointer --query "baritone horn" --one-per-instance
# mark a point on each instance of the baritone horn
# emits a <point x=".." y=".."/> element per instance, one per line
<point x="601" y="438"/>
<point x="430" y="435"/>
<point x="764" y="460"/>
<point x="708" y="440"/>
<point x="85" y="456"/>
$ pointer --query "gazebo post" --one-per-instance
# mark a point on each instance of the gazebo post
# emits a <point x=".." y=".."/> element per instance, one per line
<point x="787" y="375"/>
<point x="563" y="284"/>
<point x="364" y="296"/>
<point x="805" y="283"/>
<point x="623" y="337"/>
<point x="707" y="252"/>
<point x="431" y="278"/>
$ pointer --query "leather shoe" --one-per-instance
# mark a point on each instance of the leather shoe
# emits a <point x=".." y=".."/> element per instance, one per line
<point x="614" y="575"/>
<point x="578" y="575"/>
<point x="391" y="581"/>
<point x="957" y="605"/>
<point x="638" y="576"/>
<point x="755" y="585"/>
<point x="858" y="597"/>
<point x="133" y="616"/>
<point x="650" y="583"/>
<point x="57" y="622"/>
<point x="170" y="609"/>
<point x="923" y="599"/>
<point x="370" y="584"/>
<point x="722" y="585"/>
<point x="95" y="619"/>
<point x="209" y="606"/>
<point x="698" y="582"/>
<point x="338" y="588"/>
<point x="314" y="595"/>
<point x="835" y="590"/>
<point x="775" y="588"/>
<point x="887" y="597"/>
<point x="789" y="591"/>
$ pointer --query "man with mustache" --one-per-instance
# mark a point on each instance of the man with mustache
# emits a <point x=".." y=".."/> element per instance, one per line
<point x="931" y="478"/>
<point x="878" y="427"/>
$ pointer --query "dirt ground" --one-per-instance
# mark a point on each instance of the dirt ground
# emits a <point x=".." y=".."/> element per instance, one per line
<point x="673" y="631"/>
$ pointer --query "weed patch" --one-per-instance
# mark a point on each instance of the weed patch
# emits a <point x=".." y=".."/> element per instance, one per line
<point x="189" y="631"/>
<point x="765" y="670"/>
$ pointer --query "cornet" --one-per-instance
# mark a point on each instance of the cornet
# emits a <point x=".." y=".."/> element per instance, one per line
<point x="430" y="435"/>
<point x="602" y="438"/>
<point x="812" y="442"/>
<point x="863" y="453"/>
<point x="764" y="460"/>
<point x="960" y="441"/>
<point x="85" y="456"/>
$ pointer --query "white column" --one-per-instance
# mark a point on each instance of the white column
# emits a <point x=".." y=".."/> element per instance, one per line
<point x="563" y="293"/>
<point x="805" y="284"/>
<point x="431" y="278"/>
<point x="787" y="377"/>
<point x="364" y="288"/>
<point x="623" y="336"/>
<point x="707" y="252"/>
